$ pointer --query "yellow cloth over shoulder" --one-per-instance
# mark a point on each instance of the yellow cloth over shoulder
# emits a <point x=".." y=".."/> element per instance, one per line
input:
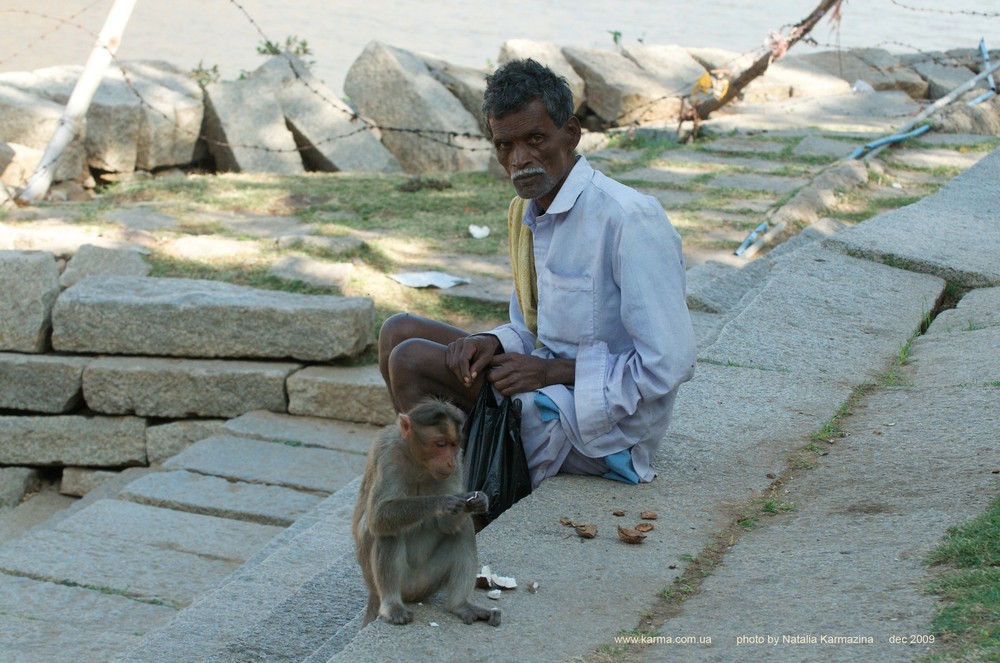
<point x="522" y="261"/>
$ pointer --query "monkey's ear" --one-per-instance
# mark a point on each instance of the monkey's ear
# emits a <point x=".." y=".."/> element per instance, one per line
<point x="405" y="426"/>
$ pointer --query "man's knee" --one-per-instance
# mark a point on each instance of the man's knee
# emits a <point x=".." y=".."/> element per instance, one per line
<point x="408" y="358"/>
<point x="396" y="329"/>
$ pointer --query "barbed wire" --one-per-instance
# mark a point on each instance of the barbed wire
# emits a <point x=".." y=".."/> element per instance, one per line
<point x="447" y="138"/>
<point x="953" y="12"/>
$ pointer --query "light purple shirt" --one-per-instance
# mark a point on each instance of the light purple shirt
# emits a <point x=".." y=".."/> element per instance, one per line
<point x="610" y="295"/>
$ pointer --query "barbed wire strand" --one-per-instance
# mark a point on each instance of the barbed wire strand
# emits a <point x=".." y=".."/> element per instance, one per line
<point x="446" y="138"/>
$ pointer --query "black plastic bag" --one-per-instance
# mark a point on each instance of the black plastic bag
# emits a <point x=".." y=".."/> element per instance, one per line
<point x="494" y="457"/>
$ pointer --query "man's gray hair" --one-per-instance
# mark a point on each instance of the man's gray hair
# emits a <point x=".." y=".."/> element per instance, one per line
<point x="519" y="82"/>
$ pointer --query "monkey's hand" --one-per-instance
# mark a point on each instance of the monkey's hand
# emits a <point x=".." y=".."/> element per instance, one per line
<point x="476" y="502"/>
<point x="451" y="505"/>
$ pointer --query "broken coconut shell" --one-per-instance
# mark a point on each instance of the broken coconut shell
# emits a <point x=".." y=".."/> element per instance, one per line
<point x="586" y="531"/>
<point x="629" y="535"/>
<point x="648" y="515"/>
<point x="644" y="527"/>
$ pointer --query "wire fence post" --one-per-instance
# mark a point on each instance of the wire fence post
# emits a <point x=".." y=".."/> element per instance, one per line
<point x="79" y="101"/>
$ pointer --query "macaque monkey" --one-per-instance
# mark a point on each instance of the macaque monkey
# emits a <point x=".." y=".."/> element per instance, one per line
<point x="412" y="525"/>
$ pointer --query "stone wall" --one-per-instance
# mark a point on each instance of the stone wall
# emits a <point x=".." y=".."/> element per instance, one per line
<point x="121" y="370"/>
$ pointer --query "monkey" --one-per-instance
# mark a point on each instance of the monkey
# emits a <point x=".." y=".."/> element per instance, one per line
<point x="412" y="523"/>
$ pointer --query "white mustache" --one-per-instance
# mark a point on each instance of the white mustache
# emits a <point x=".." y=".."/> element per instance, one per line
<point x="527" y="172"/>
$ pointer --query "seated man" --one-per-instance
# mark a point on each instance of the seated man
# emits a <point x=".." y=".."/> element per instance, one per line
<point x="599" y="338"/>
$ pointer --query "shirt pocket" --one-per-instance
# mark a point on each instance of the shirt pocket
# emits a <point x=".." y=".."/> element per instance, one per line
<point x="566" y="307"/>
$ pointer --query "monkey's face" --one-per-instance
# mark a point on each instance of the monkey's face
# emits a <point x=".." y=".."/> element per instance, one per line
<point x="440" y="455"/>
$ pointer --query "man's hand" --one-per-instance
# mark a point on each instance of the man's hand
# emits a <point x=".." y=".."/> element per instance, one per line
<point x="469" y="356"/>
<point x="513" y="373"/>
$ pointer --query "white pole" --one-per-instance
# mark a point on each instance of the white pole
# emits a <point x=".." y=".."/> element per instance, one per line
<point x="79" y="101"/>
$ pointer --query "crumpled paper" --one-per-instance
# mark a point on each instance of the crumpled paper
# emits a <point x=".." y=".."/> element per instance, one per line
<point x="427" y="279"/>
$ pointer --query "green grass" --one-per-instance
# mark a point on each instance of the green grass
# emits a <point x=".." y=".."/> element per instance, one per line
<point x="968" y="621"/>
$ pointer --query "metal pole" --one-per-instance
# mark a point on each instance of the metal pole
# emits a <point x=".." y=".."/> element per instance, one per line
<point x="79" y="101"/>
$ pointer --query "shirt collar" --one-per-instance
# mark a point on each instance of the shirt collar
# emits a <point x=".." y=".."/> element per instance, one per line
<point x="579" y="175"/>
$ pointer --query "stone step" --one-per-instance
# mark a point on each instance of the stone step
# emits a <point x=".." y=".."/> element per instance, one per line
<point x="820" y="324"/>
<point x="340" y="392"/>
<point x="283" y="604"/>
<point x="307" y="431"/>
<point x="198" y="318"/>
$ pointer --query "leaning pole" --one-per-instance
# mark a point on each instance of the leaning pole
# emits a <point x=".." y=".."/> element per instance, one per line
<point x="70" y="123"/>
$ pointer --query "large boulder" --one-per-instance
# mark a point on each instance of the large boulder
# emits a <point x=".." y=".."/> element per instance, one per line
<point x="29" y="284"/>
<point x="423" y="125"/>
<point x="940" y="78"/>
<point x="332" y="137"/>
<point x="143" y="114"/>
<point x="877" y="67"/>
<point x="675" y="68"/>
<point x="195" y="318"/>
<point x="245" y="128"/>
<point x="28" y="119"/>
<point x="619" y="92"/>
<point x="552" y="57"/>
<point x="468" y="84"/>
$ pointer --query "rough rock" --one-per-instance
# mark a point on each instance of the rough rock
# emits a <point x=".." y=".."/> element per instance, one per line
<point x="29" y="284"/>
<point x="329" y="134"/>
<point x="15" y="482"/>
<point x="396" y="90"/>
<point x="84" y="441"/>
<point x="552" y="57"/>
<point x="40" y="383"/>
<point x="940" y="78"/>
<point x="194" y="318"/>
<point x="907" y="80"/>
<point x="852" y="66"/>
<point x="78" y="481"/>
<point x="793" y="77"/>
<point x="675" y="68"/>
<point x="466" y="83"/>
<point x="334" y="392"/>
<point x="28" y="119"/>
<point x="245" y="128"/>
<point x="621" y="93"/>
<point x="166" y="440"/>
<point x="178" y="388"/>
<point x="91" y="260"/>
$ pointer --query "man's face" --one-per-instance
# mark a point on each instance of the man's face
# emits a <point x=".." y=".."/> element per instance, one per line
<point x="534" y="151"/>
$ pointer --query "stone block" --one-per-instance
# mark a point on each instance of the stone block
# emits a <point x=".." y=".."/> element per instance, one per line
<point x="15" y="482"/>
<point x="215" y="496"/>
<point x="29" y="119"/>
<point x="73" y="440"/>
<point x="621" y="93"/>
<point x="193" y="318"/>
<point x="672" y="64"/>
<point x="29" y="284"/>
<point x="395" y="89"/>
<point x="349" y="394"/>
<point x="180" y="388"/>
<point x="551" y="56"/>
<point x="819" y="305"/>
<point x="91" y="260"/>
<point x="78" y="481"/>
<point x="272" y="463"/>
<point x="246" y="131"/>
<point x="304" y="430"/>
<point x="952" y="234"/>
<point x="166" y="440"/>
<point x="40" y="383"/>
<point x="330" y="134"/>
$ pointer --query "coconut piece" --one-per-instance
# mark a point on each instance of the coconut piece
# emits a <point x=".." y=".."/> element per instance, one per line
<point x="586" y="531"/>
<point x="567" y="522"/>
<point x="494" y="594"/>
<point x="648" y="515"/>
<point x="618" y="512"/>
<point x="503" y="582"/>
<point x="484" y="579"/>
<point x="629" y="535"/>
<point x="644" y="527"/>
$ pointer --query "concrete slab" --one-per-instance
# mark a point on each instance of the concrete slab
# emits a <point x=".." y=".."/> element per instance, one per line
<point x="166" y="440"/>
<point x="271" y="463"/>
<point x="214" y="496"/>
<point x="820" y="304"/>
<point x="849" y="560"/>
<point x="307" y="431"/>
<point x="978" y="309"/>
<point x="951" y="234"/>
